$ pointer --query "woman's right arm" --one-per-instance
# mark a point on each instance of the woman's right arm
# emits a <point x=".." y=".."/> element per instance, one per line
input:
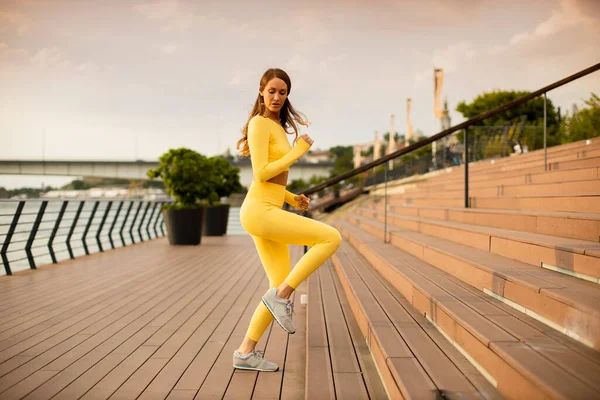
<point x="258" y="142"/>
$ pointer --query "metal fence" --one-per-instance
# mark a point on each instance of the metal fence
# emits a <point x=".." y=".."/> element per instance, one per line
<point x="37" y="232"/>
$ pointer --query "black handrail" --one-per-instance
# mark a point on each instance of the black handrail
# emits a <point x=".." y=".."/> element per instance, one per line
<point x="444" y="133"/>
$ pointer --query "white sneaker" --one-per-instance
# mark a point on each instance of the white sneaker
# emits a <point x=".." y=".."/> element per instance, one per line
<point x="254" y="362"/>
<point x="281" y="309"/>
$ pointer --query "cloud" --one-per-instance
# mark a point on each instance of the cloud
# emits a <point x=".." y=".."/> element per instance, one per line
<point x="158" y="10"/>
<point x="49" y="57"/>
<point x="14" y="20"/>
<point x="9" y="55"/>
<point x="570" y="14"/>
<point x="171" y="13"/>
<point x="447" y="58"/>
<point x="170" y="48"/>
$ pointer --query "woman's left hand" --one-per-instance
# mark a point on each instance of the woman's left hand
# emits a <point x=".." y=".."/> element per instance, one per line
<point x="303" y="201"/>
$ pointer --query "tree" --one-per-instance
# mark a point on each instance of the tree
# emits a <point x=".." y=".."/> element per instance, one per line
<point x="227" y="177"/>
<point x="297" y="185"/>
<point x="533" y="110"/>
<point x="491" y="141"/>
<point x="343" y="159"/>
<point x="584" y="123"/>
<point x="188" y="177"/>
<point x="78" y="184"/>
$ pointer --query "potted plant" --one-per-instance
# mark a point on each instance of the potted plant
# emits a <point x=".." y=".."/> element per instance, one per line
<point x="226" y="181"/>
<point x="189" y="178"/>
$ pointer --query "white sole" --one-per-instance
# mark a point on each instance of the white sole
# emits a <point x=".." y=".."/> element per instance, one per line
<point x="255" y="369"/>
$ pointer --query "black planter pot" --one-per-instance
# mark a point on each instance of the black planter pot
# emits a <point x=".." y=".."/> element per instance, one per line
<point x="215" y="220"/>
<point x="184" y="227"/>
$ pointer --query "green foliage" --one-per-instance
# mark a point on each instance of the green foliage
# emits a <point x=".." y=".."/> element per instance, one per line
<point x="583" y="124"/>
<point x="533" y="110"/>
<point x="298" y="185"/>
<point x="78" y="184"/>
<point x="188" y="177"/>
<point x="343" y="159"/>
<point x="227" y="177"/>
<point x="193" y="179"/>
<point x="153" y="184"/>
<point x="30" y="193"/>
<point x="522" y="124"/>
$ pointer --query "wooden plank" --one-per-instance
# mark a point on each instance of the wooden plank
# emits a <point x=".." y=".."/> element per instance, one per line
<point x="49" y="353"/>
<point x="107" y="385"/>
<point x="346" y="369"/>
<point x="177" y="352"/>
<point x="83" y="358"/>
<point x="47" y="350"/>
<point x="441" y="370"/>
<point x="269" y="385"/>
<point x="55" y="291"/>
<point x="147" y="311"/>
<point x="71" y="317"/>
<point x="368" y="369"/>
<point x="242" y="383"/>
<point x="293" y="385"/>
<point x="202" y="305"/>
<point x="479" y="356"/>
<point x="319" y="376"/>
<point x="69" y="276"/>
<point x="212" y="378"/>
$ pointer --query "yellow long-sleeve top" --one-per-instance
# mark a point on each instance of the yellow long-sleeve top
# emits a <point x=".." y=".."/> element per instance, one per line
<point x="270" y="151"/>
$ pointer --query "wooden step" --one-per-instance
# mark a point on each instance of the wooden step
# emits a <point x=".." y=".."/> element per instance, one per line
<point x="571" y="256"/>
<point x="564" y="303"/>
<point x="555" y="153"/>
<point x="583" y="226"/>
<point x="588" y="203"/>
<point x="521" y="189"/>
<point x="517" y="162"/>
<point x="412" y="358"/>
<point x="519" y="355"/>
<point x="338" y="363"/>
<point x="512" y="179"/>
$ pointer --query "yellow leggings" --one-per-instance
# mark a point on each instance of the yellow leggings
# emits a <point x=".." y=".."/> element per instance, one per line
<point x="272" y="229"/>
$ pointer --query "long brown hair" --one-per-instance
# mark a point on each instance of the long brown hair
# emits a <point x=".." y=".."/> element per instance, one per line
<point x="288" y="116"/>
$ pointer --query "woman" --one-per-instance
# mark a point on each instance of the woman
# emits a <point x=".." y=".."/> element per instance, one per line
<point x="262" y="216"/>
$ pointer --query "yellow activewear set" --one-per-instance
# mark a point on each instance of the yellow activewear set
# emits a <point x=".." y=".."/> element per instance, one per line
<point x="273" y="228"/>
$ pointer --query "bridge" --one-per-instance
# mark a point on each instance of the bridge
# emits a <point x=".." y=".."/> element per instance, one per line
<point x="474" y="281"/>
<point x="136" y="170"/>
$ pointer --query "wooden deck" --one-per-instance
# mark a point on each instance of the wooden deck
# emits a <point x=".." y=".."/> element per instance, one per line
<point x="145" y="321"/>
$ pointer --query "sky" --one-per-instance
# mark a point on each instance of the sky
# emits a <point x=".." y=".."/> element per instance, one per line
<point x="129" y="79"/>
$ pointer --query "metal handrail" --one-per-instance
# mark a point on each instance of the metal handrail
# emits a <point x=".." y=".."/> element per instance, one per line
<point x="422" y="143"/>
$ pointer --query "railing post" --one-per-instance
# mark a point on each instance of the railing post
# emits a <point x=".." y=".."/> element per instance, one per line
<point x="467" y="167"/>
<point x="75" y="220"/>
<point x="142" y="221"/>
<point x="88" y="225"/>
<point x="158" y="214"/>
<point x="114" y="222"/>
<point x="133" y="222"/>
<point x="34" y="229"/>
<point x="125" y="222"/>
<point x="55" y="229"/>
<point x="9" y="235"/>
<point x="150" y="220"/>
<point x="385" y="175"/>
<point x="545" y="149"/>
<point x="102" y="225"/>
